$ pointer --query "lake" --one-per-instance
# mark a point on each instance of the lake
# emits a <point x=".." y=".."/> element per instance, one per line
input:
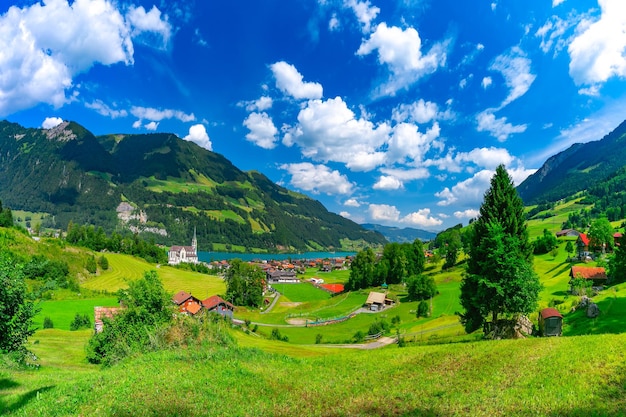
<point x="219" y="256"/>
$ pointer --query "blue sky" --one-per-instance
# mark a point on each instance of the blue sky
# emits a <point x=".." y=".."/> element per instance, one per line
<point x="391" y="112"/>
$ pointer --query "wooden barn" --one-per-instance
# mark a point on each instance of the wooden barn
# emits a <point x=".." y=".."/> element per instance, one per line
<point x="550" y="322"/>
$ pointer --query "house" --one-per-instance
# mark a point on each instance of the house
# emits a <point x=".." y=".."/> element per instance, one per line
<point x="596" y="274"/>
<point x="187" y="303"/>
<point x="568" y="233"/>
<point x="218" y="305"/>
<point x="617" y="236"/>
<point x="277" y="276"/>
<point x="377" y="301"/>
<point x="186" y="254"/>
<point x="550" y="322"/>
<point x="101" y="313"/>
<point x="582" y="243"/>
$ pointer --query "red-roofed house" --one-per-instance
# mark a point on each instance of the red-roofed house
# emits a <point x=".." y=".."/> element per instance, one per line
<point x="218" y="305"/>
<point x="617" y="236"/>
<point x="187" y="303"/>
<point x="583" y="245"/>
<point x="596" y="274"/>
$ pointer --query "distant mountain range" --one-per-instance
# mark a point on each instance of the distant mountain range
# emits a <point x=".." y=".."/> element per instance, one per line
<point x="577" y="168"/>
<point x="400" y="235"/>
<point x="163" y="187"/>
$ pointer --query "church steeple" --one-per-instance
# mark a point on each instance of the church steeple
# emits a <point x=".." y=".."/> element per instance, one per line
<point x="194" y="241"/>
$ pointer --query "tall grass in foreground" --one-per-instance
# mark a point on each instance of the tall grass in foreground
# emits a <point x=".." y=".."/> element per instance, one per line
<point x="576" y="376"/>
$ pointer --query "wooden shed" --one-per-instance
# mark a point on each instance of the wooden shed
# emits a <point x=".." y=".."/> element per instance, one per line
<point x="550" y="322"/>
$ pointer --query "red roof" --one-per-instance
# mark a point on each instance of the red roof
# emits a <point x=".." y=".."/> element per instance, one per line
<point x="181" y="297"/>
<point x="193" y="307"/>
<point x="588" y="272"/>
<point x="215" y="300"/>
<point x="583" y="237"/>
<point x="550" y="312"/>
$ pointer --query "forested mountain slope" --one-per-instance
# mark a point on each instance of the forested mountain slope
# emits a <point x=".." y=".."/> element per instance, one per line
<point x="168" y="185"/>
<point x="576" y="169"/>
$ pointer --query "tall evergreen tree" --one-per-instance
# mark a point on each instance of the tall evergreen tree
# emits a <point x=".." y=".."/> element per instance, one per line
<point x="499" y="279"/>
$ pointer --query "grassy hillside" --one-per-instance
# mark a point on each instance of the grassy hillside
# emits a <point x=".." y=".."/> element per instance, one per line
<point x="547" y="377"/>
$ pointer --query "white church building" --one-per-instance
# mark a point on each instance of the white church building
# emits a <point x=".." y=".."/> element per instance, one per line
<point x="187" y="254"/>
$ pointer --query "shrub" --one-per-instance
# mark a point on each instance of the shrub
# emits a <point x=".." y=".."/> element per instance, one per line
<point x="379" y="326"/>
<point x="421" y="287"/>
<point x="358" y="337"/>
<point x="277" y="336"/>
<point x="91" y="265"/>
<point x="80" y="322"/>
<point x="318" y="338"/>
<point x="423" y="309"/>
<point x="47" y="323"/>
<point x="103" y="262"/>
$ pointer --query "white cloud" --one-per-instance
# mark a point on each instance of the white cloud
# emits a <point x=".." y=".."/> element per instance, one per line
<point x="40" y="58"/>
<point x="467" y="214"/>
<point x="156" y="115"/>
<point x="599" y="51"/>
<point x="364" y="12"/>
<point x="557" y="2"/>
<point x="592" y="91"/>
<point x="400" y="50"/>
<point x="105" y="110"/>
<point x="352" y="202"/>
<point x="498" y="128"/>
<point x="289" y="81"/>
<point x="383" y="212"/>
<point x="407" y="144"/>
<point x="488" y="158"/>
<point x="386" y="182"/>
<point x="50" y="122"/>
<point x="318" y="179"/>
<point x="329" y="131"/>
<point x="406" y="175"/>
<point x="486" y="82"/>
<point x="333" y="23"/>
<point x="553" y="32"/>
<point x="263" y="133"/>
<point x="515" y="68"/>
<point x="467" y="192"/>
<point x="345" y="214"/>
<point x="198" y="135"/>
<point x="420" y="112"/>
<point x="137" y="124"/>
<point x="422" y="218"/>
<point x="260" y="104"/>
<point x="152" y="23"/>
<point x="151" y="126"/>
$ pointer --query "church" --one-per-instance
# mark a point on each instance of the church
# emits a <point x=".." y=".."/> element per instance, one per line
<point x="187" y="254"/>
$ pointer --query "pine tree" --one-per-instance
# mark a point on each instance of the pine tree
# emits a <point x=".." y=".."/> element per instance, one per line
<point x="499" y="279"/>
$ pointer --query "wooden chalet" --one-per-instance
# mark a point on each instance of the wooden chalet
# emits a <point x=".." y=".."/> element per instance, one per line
<point x="216" y="304"/>
<point x="568" y="233"/>
<point x="550" y="322"/>
<point x="377" y="301"/>
<point x="277" y="276"/>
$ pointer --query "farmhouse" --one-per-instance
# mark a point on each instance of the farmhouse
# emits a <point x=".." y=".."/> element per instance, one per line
<point x="583" y="245"/>
<point x="596" y="274"/>
<point x="550" y="322"/>
<point x="218" y="305"/>
<point x="377" y="301"/>
<point x="187" y="303"/>
<point x="186" y="254"/>
<point x="101" y="313"/>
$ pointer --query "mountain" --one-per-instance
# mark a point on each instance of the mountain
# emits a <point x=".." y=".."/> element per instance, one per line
<point x="576" y="169"/>
<point x="162" y="187"/>
<point x="396" y="234"/>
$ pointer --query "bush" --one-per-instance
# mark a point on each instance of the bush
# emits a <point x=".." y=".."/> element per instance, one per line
<point x="47" y="323"/>
<point x="91" y="265"/>
<point x="318" y="338"/>
<point x="358" y="337"/>
<point x="103" y="262"/>
<point x="379" y="326"/>
<point x="80" y="322"/>
<point x="423" y="309"/>
<point x="277" y="336"/>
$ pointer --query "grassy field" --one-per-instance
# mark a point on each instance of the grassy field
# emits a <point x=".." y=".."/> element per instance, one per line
<point x="123" y="268"/>
<point x="532" y="377"/>
<point x="301" y="292"/>
<point x="62" y="312"/>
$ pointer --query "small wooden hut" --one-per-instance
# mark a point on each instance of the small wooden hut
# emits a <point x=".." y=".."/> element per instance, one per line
<point x="550" y="322"/>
